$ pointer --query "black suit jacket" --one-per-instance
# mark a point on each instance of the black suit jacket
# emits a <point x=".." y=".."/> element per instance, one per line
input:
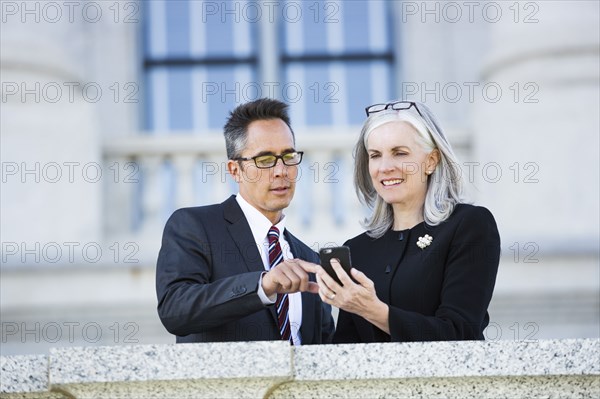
<point x="207" y="279"/>
<point x="441" y="292"/>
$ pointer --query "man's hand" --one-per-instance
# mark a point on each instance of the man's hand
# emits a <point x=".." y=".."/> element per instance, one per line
<point x="288" y="277"/>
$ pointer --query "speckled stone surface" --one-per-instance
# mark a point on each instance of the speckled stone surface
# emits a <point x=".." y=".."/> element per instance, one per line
<point x="25" y="373"/>
<point x="502" y="369"/>
<point x="184" y="389"/>
<point x="170" y="362"/>
<point x="447" y="359"/>
<point x="236" y="369"/>
<point x="475" y="369"/>
<point x="567" y="387"/>
<point x="24" y="377"/>
<point x="34" y="395"/>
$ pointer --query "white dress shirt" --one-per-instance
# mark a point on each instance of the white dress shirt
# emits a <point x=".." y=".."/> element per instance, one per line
<point x="260" y="226"/>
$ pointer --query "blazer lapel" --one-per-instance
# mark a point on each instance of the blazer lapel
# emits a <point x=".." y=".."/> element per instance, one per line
<point x="307" y="328"/>
<point x="241" y="235"/>
<point x="309" y="303"/>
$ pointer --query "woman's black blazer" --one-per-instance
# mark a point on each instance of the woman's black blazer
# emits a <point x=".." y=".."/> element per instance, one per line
<point x="440" y="292"/>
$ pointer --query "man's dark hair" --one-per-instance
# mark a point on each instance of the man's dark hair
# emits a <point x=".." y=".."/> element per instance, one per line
<point x="236" y="127"/>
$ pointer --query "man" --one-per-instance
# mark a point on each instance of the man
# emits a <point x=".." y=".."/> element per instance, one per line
<point x="226" y="272"/>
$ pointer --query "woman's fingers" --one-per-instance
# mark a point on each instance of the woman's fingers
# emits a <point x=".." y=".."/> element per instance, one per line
<point x="340" y="272"/>
<point x="362" y="278"/>
<point x="326" y="293"/>
<point x="328" y="280"/>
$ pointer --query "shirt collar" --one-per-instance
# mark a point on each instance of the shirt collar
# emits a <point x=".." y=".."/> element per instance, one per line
<point x="259" y="224"/>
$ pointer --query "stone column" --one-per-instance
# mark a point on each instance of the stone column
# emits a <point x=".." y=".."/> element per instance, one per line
<point x="51" y="155"/>
<point x="536" y="127"/>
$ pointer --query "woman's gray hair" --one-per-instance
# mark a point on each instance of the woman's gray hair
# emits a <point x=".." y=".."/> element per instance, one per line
<point x="444" y="185"/>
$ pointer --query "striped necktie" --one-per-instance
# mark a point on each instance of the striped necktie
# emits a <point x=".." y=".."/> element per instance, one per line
<point x="282" y="303"/>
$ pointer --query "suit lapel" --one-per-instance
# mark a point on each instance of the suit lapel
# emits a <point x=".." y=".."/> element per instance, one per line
<point x="307" y="328"/>
<point x="292" y="242"/>
<point x="241" y="235"/>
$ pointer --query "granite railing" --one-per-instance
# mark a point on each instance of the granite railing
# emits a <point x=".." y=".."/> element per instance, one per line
<point x="500" y="369"/>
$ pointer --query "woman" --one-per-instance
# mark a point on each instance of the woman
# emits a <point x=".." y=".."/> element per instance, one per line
<point x="427" y="261"/>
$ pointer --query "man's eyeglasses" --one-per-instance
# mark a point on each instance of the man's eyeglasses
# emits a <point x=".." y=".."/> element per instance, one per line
<point x="268" y="161"/>
<point x="396" y="105"/>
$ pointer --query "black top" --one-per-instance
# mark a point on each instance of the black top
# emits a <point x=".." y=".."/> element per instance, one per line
<point x="440" y="292"/>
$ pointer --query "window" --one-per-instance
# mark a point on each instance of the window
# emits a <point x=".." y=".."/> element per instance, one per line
<point x="195" y="62"/>
<point x="201" y="58"/>
<point x="340" y="54"/>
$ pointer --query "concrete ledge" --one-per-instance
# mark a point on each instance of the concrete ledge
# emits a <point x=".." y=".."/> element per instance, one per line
<point x="447" y="359"/>
<point x="471" y="369"/>
<point x="236" y="369"/>
<point x="553" y="368"/>
<point x="25" y="376"/>
<point x="567" y="387"/>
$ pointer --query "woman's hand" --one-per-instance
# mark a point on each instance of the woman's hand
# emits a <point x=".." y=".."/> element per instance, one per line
<point x="360" y="299"/>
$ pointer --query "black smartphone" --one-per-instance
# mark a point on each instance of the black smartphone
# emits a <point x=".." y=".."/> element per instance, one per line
<point x="340" y="253"/>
